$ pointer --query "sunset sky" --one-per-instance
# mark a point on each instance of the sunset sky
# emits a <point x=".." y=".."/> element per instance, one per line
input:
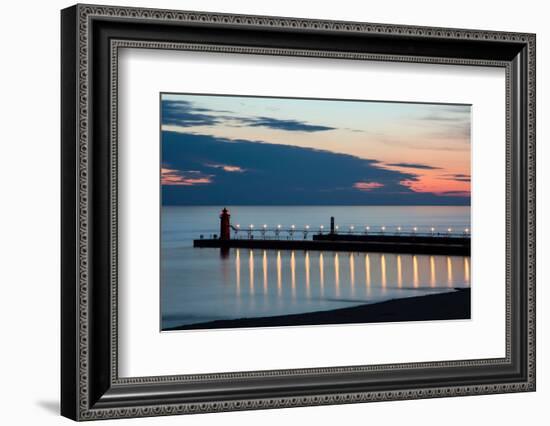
<point x="309" y="151"/>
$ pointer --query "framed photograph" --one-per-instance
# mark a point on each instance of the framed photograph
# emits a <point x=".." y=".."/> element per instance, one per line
<point x="263" y="212"/>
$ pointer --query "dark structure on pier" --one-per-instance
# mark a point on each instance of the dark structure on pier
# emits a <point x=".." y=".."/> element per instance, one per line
<point x="225" y="225"/>
<point x="442" y="244"/>
<point x="442" y="248"/>
<point x="399" y="243"/>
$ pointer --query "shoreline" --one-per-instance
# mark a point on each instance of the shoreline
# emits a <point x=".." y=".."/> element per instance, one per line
<point x="432" y="307"/>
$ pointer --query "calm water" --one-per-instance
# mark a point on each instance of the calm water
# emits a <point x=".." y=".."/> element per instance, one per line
<point x="199" y="285"/>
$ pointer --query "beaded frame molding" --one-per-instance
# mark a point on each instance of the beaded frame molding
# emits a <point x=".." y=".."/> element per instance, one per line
<point x="91" y="39"/>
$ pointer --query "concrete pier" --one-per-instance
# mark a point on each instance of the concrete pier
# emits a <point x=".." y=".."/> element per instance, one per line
<point x="367" y="241"/>
<point x="389" y="244"/>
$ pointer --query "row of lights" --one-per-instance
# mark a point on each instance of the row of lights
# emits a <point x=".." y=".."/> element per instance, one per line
<point x="351" y="228"/>
<point x="251" y="226"/>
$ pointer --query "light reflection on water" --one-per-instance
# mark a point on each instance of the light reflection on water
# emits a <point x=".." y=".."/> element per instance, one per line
<point x="264" y="265"/>
<point x="299" y="285"/>
<point x="199" y="285"/>
<point x="308" y="288"/>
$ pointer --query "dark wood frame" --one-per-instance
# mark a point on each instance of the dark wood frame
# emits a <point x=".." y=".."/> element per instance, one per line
<point x="90" y="386"/>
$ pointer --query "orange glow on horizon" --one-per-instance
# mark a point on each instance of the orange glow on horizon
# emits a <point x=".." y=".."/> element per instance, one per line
<point x="428" y="144"/>
<point x="440" y="182"/>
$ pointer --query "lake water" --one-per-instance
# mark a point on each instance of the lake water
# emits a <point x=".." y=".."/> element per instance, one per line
<point x="200" y="285"/>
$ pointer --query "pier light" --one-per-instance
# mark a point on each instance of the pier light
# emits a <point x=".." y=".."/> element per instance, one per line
<point x="237" y="225"/>
<point x="449" y="230"/>
<point x="432" y="229"/>
<point x="398" y="229"/>
<point x="265" y="226"/>
<point x="351" y="228"/>
<point x="322" y="227"/>
<point x="291" y="231"/>
<point x="383" y="228"/>
<point x="278" y="226"/>
<point x="251" y="226"/>
<point x="367" y="228"/>
<point x="415" y="229"/>
<point x="336" y="227"/>
<point x="466" y="231"/>
<point x="307" y="226"/>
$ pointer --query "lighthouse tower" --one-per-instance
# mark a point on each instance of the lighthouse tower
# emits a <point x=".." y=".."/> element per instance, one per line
<point x="225" y="225"/>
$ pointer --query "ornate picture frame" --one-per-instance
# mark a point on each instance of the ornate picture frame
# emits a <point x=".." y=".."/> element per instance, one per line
<point x="91" y="39"/>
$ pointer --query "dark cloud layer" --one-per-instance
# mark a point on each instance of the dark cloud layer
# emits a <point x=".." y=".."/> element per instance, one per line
<point x="186" y="114"/>
<point x="182" y="113"/>
<point x="454" y="193"/>
<point x="414" y="166"/>
<point x="292" y="125"/>
<point x="271" y="174"/>
<point x="459" y="177"/>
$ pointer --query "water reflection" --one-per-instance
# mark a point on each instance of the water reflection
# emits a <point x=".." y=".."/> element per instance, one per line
<point x="308" y="290"/>
<point x="416" y="281"/>
<point x="432" y="271"/>
<point x="449" y="272"/>
<point x="352" y="273"/>
<point x="293" y="274"/>
<point x="279" y="273"/>
<point x="386" y="275"/>
<point x="264" y="263"/>
<point x="337" y="274"/>
<point x="367" y="270"/>
<point x="399" y="272"/>
<point x="383" y="271"/>
<point x="251" y="271"/>
<point x="224" y="252"/>
<point x="321" y="274"/>
<point x="238" y="271"/>
<point x="197" y="285"/>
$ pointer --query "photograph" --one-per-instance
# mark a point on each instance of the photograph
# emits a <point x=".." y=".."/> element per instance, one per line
<point x="264" y="209"/>
<point x="279" y="211"/>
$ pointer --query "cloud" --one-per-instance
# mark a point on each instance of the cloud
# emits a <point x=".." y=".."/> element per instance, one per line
<point x="367" y="186"/>
<point x="185" y="114"/>
<point x="458" y="177"/>
<point x="290" y="125"/>
<point x="455" y="193"/>
<point x="227" y="168"/>
<point x="448" y="113"/>
<point x="276" y="174"/>
<point x="182" y="113"/>
<point x="181" y="178"/>
<point x="409" y="183"/>
<point x="413" y="166"/>
<point x="448" y="122"/>
<point x="448" y="116"/>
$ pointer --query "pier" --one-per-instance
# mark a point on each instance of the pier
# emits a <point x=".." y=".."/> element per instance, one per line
<point x="385" y="239"/>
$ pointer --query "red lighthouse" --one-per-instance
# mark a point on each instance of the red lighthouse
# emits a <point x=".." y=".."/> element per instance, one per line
<point x="225" y="225"/>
